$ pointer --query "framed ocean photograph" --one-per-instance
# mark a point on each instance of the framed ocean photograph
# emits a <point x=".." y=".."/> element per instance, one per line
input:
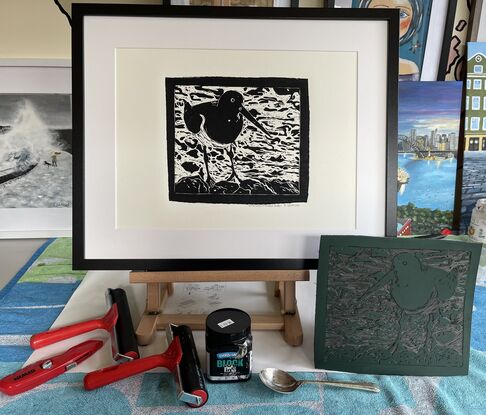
<point x="414" y="26"/>
<point x="237" y="154"/>
<point x="35" y="149"/>
<point x="474" y="163"/>
<point x="429" y="115"/>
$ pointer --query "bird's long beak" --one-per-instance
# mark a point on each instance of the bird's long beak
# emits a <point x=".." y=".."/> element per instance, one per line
<point x="250" y="117"/>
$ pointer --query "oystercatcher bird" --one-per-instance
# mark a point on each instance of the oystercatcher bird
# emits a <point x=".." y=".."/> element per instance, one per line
<point x="219" y="123"/>
<point x="417" y="289"/>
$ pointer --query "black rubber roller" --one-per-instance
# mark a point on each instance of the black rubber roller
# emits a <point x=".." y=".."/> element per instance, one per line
<point x="124" y="332"/>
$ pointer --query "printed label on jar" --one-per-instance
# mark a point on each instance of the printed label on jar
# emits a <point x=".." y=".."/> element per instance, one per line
<point x="226" y="323"/>
<point x="224" y="367"/>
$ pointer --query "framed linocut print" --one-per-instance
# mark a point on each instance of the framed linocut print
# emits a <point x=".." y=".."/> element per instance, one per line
<point x="398" y="306"/>
<point x="204" y="151"/>
<point x="35" y="148"/>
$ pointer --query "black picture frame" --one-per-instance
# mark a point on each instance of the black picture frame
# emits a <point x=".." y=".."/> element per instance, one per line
<point x="326" y="3"/>
<point x="80" y="11"/>
<point x="446" y="40"/>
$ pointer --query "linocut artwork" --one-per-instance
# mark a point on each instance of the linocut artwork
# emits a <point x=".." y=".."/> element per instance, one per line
<point x="238" y="140"/>
<point x="35" y="151"/>
<point x="395" y="306"/>
<point x="429" y="115"/>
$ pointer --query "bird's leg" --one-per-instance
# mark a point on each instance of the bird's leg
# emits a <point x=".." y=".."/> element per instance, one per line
<point x="428" y="333"/>
<point x="395" y="344"/>
<point x="233" y="171"/>
<point x="209" y="180"/>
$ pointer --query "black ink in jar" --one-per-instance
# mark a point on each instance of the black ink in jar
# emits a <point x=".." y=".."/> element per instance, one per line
<point x="228" y="345"/>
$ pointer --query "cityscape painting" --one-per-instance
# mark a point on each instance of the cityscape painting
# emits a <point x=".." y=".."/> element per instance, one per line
<point x="428" y="136"/>
<point x="474" y="171"/>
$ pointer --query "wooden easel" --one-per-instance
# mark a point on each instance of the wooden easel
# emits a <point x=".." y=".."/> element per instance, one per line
<point x="160" y="286"/>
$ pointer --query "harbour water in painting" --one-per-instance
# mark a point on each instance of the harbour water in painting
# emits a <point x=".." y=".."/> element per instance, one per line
<point x="233" y="140"/>
<point x="435" y="193"/>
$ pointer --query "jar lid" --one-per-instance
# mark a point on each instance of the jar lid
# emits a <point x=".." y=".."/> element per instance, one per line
<point x="226" y="326"/>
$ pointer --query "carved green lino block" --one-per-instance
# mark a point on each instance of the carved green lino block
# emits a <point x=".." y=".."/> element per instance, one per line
<point x="394" y="305"/>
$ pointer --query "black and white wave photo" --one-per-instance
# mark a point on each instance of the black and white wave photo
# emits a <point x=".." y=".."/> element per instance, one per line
<point x="238" y="140"/>
<point x="35" y="151"/>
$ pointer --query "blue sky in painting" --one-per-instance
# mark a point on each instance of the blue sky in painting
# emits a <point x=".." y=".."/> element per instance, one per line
<point x="429" y="105"/>
<point x="475" y="47"/>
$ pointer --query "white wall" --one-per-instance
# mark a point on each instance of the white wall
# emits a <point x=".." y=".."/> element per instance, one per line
<point x="33" y="29"/>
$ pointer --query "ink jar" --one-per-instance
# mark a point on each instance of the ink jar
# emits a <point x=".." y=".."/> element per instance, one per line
<point x="228" y="345"/>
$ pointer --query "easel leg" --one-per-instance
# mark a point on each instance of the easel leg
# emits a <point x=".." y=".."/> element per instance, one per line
<point x="293" y="333"/>
<point x="156" y="296"/>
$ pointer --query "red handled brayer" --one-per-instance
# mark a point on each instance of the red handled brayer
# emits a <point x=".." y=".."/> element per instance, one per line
<point x="43" y="370"/>
<point x="169" y="359"/>
<point x="117" y="321"/>
<point x="190" y="384"/>
<point x="107" y="322"/>
<point x="180" y="358"/>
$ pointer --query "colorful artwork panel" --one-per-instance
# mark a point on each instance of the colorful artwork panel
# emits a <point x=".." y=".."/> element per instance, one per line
<point x="474" y="170"/>
<point x="428" y="137"/>
<point x="414" y="25"/>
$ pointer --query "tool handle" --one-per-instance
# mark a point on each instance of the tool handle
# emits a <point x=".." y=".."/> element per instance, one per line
<point x="43" y="370"/>
<point x="364" y="386"/>
<point x="170" y="359"/>
<point x="46" y="338"/>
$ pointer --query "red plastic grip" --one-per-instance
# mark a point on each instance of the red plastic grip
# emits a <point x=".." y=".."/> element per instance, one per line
<point x="170" y="359"/>
<point x="43" y="370"/>
<point x="107" y="322"/>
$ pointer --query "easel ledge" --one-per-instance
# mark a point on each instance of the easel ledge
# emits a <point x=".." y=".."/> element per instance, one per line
<point x="160" y="286"/>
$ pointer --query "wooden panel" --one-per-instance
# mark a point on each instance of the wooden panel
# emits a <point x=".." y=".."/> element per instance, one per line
<point x="218" y="276"/>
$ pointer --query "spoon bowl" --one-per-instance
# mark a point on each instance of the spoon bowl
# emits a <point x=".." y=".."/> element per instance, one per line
<point x="280" y="381"/>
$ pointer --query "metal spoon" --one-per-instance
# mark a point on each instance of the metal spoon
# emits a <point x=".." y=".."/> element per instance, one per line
<point x="282" y="382"/>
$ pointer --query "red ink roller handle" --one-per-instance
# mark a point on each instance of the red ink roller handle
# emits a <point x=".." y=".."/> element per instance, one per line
<point x="46" y="338"/>
<point x="170" y="359"/>
<point x="41" y="371"/>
